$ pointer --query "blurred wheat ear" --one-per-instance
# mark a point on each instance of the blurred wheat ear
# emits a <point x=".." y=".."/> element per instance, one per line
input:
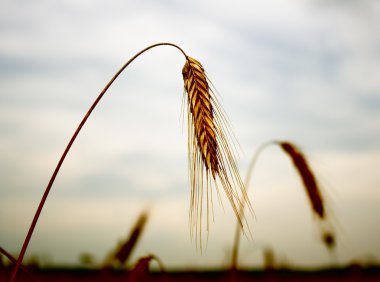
<point x="125" y="250"/>
<point x="211" y="159"/>
<point x="309" y="182"/>
<point x="312" y="190"/>
<point x="307" y="176"/>
<point x="119" y="257"/>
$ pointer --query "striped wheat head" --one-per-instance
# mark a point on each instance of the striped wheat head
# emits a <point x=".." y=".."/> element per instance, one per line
<point x="211" y="160"/>
<point x="307" y="176"/>
<point x="312" y="190"/>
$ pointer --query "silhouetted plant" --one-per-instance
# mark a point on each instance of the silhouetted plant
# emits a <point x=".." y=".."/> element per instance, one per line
<point x="212" y="161"/>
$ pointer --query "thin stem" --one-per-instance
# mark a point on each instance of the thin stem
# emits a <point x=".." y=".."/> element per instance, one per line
<point x="44" y="197"/>
<point x="247" y="181"/>
<point x="13" y="260"/>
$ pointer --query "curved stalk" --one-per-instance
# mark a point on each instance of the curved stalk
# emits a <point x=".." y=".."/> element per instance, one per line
<point x="309" y="182"/>
<point x="47" y="190"/>
<point x="247" y="181"/>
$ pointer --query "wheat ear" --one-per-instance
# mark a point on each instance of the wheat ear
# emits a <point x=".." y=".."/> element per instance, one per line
<point x="310" y="184"/>
<point x="307" y="176"/>
<point x="124" y="250"/>
<point x="238" y="230"/>
<point x="211" y="160"/>
<point x="312" y="189"/>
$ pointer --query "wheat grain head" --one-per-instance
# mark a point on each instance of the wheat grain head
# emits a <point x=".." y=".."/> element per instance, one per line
<point x="307" y="177"/>
<point x="211" y="159"/>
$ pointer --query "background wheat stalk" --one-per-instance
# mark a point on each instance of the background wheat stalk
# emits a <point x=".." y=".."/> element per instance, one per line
<point x="309" y="182"/>
<point x="13" y="260"/>
<point x="123" y="251"/>
<point x="208" y="147"/>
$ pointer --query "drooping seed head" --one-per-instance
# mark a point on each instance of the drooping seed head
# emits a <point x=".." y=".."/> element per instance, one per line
<point x="307" y="177"/>
<point x="201" y="111"/>
<point x="211" y="161"/>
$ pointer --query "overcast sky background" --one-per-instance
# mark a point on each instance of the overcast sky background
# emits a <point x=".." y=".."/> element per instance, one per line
<point x="305" y="71"/>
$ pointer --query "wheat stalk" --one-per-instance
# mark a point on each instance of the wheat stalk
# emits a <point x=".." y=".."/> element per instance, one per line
<point x="13" y="260"/>
<point x="238" y="230"/>
<point x="208" y="148"/>
<point x="312" y="189"/>
<point x="211" y="160"/>
<point x="310" y="183"/>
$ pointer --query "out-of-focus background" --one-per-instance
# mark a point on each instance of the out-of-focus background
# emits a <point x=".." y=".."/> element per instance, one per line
<point x="304" y="71"/>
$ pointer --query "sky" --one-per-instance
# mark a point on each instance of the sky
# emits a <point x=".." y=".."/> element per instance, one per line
<point x="304" y="71"/>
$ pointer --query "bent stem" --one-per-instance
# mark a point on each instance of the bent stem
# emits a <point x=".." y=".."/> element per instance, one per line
<point x="238" y="230"/>
<point x="310" y="184"/>
<point x="47" y="190"/>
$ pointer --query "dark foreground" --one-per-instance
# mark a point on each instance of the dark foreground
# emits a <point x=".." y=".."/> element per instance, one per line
<point x="58" y="275"/>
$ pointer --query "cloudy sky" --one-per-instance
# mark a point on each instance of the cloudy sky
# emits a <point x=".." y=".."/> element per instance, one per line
<point x="305" y="71"/>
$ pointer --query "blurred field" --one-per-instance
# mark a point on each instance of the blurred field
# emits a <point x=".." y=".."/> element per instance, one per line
<point x="351" y="273"/>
